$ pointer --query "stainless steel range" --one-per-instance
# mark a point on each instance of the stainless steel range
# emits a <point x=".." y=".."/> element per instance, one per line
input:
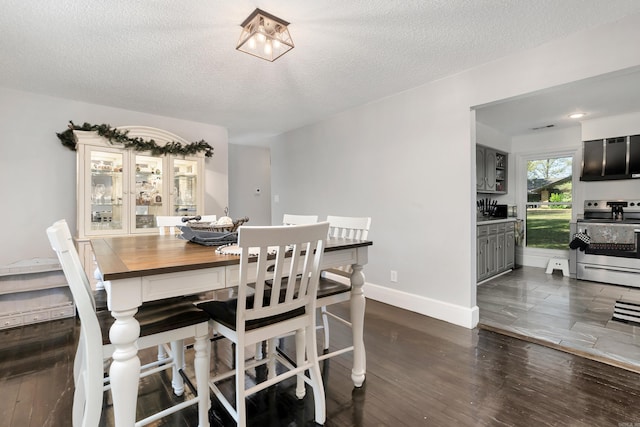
<point x="612" y="255"/>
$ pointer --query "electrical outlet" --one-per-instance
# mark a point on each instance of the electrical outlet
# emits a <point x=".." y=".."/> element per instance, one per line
<point x="394" y="276"/>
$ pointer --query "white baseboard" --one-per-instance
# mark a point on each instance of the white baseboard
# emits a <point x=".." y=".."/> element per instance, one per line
<point x="456" y="314"/>
<point x="493" y="277"/>
<point x="540" y="261"/>
<point x="533" y="257"/>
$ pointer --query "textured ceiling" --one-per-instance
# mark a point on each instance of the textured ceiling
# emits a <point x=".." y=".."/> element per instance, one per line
<point x="178" y="58"/>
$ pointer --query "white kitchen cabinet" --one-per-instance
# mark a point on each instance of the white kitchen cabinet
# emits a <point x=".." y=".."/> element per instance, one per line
<point x="121" y="191"/>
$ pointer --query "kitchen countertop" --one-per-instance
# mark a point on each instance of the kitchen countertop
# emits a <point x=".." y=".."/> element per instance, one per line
<point x="491" y="220"/>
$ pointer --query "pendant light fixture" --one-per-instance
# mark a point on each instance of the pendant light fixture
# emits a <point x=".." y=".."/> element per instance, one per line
<point x="265" y="36"/>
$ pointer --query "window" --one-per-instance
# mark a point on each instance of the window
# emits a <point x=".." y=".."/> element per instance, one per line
<point x="548" y="202"/>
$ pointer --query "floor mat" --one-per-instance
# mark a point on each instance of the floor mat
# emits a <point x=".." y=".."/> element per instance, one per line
<point x="627" y="312"/>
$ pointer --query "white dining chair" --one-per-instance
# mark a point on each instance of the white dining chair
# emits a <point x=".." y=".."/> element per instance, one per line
<point x="168" y="224"/>
<point x="264" y="312"/>
<point x="330" y="290"/>
<point x="291" y="219"/>
<point x="159" y="323"/>
<point x="208" y="218"/>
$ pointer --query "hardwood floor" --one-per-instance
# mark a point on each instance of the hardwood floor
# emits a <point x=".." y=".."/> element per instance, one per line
<point x="420" y="371"/>
<point x="566" y="314"/>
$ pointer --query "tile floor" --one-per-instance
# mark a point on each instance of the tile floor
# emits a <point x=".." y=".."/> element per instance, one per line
<point x="566" y="314"/>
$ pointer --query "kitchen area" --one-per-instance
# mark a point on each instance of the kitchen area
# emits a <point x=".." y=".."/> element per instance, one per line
<point x="606" y="236"/>
<point x="496" y="222"/>
<point x="606" y="241"/>
<point x="590" y="311"/>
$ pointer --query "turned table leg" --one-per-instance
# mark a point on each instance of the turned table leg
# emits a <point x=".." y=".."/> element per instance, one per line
<point x="125" y="367"/>
<point x="357" y="322"/>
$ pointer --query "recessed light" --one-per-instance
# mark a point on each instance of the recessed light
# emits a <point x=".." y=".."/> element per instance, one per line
<point x="576" y="115"/>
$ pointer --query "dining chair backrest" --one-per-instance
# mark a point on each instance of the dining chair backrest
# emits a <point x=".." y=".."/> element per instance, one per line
<point x="277" y="294"/>
<point x="178" y="322"/>
<point x="290" y="219"/>
<point x="75" y="258"/>
<point x="91" y="377"/>
<point x="347" y="227"/>
<point x="168" y="222"/>
<point x="282" y="252"/>
<point x="208" y="218"/>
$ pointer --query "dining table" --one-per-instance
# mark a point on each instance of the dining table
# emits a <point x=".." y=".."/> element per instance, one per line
<point x="139" y="268"/>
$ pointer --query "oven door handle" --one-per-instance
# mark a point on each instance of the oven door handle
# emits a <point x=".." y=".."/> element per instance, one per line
<point x="604" y="267"/>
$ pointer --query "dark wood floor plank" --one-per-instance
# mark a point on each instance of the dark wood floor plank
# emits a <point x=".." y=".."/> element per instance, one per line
<point x="421" y="371"/>
<point x="23" y="409"/>
<point x="10" y="389"/>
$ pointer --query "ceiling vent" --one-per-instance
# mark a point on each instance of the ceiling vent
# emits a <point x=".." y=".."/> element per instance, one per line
<point x="542" y="127"/>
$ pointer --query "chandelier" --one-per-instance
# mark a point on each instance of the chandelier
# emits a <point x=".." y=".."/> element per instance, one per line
<point x="265" y="36"/>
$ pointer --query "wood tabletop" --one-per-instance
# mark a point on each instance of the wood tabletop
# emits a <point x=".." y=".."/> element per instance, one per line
<point x="135" y="256"/>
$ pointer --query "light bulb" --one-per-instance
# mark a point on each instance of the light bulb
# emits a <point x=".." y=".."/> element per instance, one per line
<point x="261" y="36"/>
<point x="252" y="43"/>
<point x="276" y="44"/>
<point x="267" y="48"/>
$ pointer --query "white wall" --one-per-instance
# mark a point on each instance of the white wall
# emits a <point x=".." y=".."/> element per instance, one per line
<point x="38" y="173"/>
<point x="611" y="127"/>
<point x="250" y="171"/>
<point x="490" y="137"/>
<point x="409" y="162"/>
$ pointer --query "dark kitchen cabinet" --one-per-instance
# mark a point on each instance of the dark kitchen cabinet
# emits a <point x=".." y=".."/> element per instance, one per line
<point x="501" y="251"/>
<point x="634" y="156"/>
<point x="495" y="249"/>
<point x="611" y="158"/>
<point x="481" y="253"/>
<point x="616" y="157"/>
<point x="480" y="168"/>
<point x="592" y="157"/>
<point x="491" y="170"/>
<point x="510" y="247"/>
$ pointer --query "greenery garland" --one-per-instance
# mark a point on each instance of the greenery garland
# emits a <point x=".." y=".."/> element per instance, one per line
<point x="114" y="136"/>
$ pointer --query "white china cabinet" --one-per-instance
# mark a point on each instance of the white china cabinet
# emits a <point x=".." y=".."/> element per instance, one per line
<point x="121" y="191"/>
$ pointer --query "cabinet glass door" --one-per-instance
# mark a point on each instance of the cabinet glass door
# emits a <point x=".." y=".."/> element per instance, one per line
<point x="185" y="190"/>
<point x="149" y="191"/>
<point x="106" y="192"/>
